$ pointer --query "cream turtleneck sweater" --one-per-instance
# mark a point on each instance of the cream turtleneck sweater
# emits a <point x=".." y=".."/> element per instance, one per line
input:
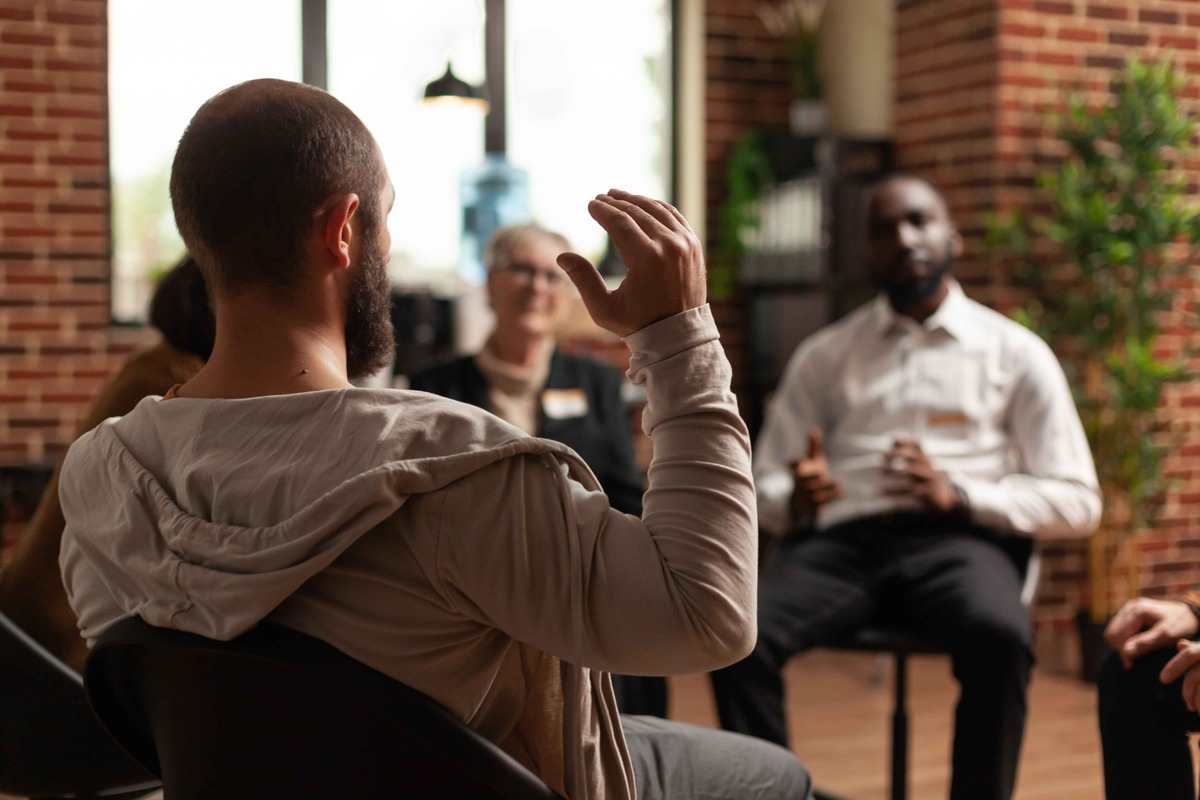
<point x="513" y="388"/>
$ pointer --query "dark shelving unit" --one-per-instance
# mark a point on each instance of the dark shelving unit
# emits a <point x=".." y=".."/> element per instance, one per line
<point x="807" y="266"/>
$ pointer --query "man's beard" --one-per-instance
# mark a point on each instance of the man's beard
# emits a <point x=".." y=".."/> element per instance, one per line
<point x="914" y="293"/>
<point x="370" y="344"/>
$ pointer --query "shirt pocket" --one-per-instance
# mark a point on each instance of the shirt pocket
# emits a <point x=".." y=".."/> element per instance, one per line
<point x="953" y="385"/>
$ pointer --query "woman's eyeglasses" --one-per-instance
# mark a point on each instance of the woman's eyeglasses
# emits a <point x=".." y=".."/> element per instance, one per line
<point x="528" y="274"/>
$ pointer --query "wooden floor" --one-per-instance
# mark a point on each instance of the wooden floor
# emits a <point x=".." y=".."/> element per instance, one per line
<point x="839" y="706"/>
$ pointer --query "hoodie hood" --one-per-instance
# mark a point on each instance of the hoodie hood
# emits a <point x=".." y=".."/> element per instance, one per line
<point x="204" y="515"/>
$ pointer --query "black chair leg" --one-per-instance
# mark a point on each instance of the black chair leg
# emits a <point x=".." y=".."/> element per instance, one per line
<point x="900" y="729"/>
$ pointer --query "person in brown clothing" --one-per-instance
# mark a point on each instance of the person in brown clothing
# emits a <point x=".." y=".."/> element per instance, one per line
<point x="31" y="587"/>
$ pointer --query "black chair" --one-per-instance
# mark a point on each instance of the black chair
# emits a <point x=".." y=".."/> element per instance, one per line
<point x="279" y="714"/>
<point x="51" y="745"/>
<point x="899" y="645"/>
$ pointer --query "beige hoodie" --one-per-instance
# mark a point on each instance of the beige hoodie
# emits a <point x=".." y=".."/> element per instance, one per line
<point x="437" y="544"/>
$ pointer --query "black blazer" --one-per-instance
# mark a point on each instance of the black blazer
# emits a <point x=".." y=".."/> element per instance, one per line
<point x="599" y="434"/>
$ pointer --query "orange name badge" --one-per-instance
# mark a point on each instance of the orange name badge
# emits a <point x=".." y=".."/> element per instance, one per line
<point x="564" y="403"/>
<point x="947" y="419"/>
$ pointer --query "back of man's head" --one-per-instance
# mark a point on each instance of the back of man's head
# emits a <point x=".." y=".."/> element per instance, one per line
<point x="254" y="167"/>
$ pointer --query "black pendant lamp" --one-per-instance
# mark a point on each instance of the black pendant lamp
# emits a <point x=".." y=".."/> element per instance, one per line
<point x="451" y="88"/>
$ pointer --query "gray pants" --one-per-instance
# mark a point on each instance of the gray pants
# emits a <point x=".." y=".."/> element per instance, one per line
<point x="674" y="761"/>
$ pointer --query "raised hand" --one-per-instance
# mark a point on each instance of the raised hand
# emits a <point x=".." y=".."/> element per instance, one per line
<point x="665" y="259"/>
<point x="916" y="477"/>
<point x="814" y="488"/>
<point x="1144" y="624"/>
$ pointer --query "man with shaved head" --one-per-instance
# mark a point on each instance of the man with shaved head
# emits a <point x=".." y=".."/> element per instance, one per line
<point x="913" y="448"/>
<point x="424" y="537"/>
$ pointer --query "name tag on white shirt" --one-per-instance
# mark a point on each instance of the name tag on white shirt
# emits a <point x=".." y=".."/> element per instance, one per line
<point x="946" y="419"/>
<point x="564" y="403"/>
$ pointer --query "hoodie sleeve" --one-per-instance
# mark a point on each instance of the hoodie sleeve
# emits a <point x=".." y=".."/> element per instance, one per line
<point x="553" y="565"/>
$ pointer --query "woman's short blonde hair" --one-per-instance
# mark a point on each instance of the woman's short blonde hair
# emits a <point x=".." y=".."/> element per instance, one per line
<point x="503" y="243"/>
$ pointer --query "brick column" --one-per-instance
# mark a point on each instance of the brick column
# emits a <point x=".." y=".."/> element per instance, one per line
<point x="55" y="347"/>
<point x="974" y="83"/>
<point x="748" y="87"/>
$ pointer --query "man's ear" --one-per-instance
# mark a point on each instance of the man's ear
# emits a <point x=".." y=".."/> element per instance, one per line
<point x="338" y="232"/>
<point x="956" y="242"/>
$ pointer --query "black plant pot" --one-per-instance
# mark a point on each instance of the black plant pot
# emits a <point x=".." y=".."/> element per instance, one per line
<point x="1092" y="646"/>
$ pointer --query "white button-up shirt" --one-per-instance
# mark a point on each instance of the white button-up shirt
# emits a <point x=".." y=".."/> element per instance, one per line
<point x="983" y="396"/>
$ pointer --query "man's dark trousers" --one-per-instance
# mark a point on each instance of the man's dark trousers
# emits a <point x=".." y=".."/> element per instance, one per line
<point x="1144" y="729"/>
<point x="939" y="577"/>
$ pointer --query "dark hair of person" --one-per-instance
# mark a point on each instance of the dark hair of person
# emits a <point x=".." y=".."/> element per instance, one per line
<point x="254" y="166"/>
<point x="892" y="177"/>
<point x="180" y="309"/>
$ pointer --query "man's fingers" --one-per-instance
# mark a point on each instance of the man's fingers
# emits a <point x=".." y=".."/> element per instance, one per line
<point x="655" y="208"/>
<point x="905" y="451"/>
<point x="1187" y="657"/>
<point x="827" y="493"/>
<point x="1126" y="623"/>
<point x="1114" y="631"/>
<point x="917" y="470"/>
<point x="1151" y="639"/>
<point x="816" y="442"/>
<point x="808" y="467"/>
<point x="596" y="297"/>
<point x="1195" y="704"/>
<point x="814" y="483"/>
<point x="625" y="232"/>
<point x="651" y="227"/>
<point x="1191" y="683"/>
<point x="675" y="212"/>
<point x="666" y="265"/>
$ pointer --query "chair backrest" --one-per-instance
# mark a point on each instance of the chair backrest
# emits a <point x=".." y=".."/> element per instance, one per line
<point x="279" y="714"/>
<point x="1033" y="577"/>
<point x="51" y="745"/>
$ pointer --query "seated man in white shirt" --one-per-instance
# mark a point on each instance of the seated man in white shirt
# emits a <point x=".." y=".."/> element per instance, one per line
<point x="424" y="537"/>
<point x="917" y="439"/>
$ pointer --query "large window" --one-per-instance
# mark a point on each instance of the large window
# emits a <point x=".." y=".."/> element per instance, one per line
<point x="166" y="57"/>
<point x="588" y="109"/>
<point x="381" y="55"/>
<point x="589" y="105"/>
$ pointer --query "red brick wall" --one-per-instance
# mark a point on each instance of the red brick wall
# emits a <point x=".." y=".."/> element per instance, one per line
<point x="945" y="114"/>
<point x="55" y="345"/>
<point x="974" y="82"/>
<point x="748" y="87"/>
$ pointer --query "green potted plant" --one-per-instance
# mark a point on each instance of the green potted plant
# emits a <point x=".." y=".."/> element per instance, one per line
<point x="747" y="175"/>
<point x="1122" y="230"/>
<point x="797" y="23"/>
